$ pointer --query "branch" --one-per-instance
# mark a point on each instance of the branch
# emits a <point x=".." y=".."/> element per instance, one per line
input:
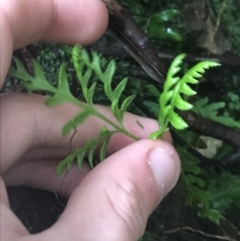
<point x="186" y="228"/>
<point x="118" y="52"/>
<point x="126" y="31"/>
<point x="231" y="159"/>
<point x="211" y="128"/>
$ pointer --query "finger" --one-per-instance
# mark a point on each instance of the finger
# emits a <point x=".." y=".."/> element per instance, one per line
<point x="11" y="227"/>
<point x="115" y="199"/>
<point x="25" y="21"/>
<point x="63" y="20"/>
<point x="35" y="129"/>
<point x="42" y="174"/>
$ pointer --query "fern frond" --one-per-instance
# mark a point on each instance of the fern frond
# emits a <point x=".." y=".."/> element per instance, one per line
<point x="62" y="93"/>
<point x="198" y="70"/>
<point x="171" y="100"/>
<point x="38" y="82"/>
<point x="210" y="111"/>
<point x="198" y="195"/>
<point x="102" y="140"/>
<point x="85" y="67"/>
<point x="173" y="70"/>
<point x="82" y="59"/>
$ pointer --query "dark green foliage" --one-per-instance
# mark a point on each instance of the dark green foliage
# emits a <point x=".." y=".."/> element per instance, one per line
<point x="210" y="111"/>
<point x="198" y="195"/>
<point x="211" y="194"/>
<point x="230" y="21"/>
<point x="224" y="190"/>
<point x="156" y="25"/>
<point x="234" y="102"/>
<point x="146" y="237"/>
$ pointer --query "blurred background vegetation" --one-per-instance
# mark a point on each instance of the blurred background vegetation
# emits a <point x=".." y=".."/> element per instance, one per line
<point x="205" y="205"/>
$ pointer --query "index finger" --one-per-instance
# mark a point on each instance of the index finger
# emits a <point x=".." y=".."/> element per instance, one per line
<point x="66" y="21"/>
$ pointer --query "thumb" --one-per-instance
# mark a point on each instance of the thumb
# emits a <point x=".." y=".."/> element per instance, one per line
<point x="114" y="200"/>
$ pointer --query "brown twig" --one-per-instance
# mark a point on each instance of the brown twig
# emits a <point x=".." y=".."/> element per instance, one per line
<point x="211" y="128"/>
<point x="118" y="52"/>
<point x="231" y="159"/>
<point x="26" y="58"/>
<point x="216" y="28"/>
<point x="186" y="228"/>
<point x="126" y="31"/>
<point x="231" y="225"/>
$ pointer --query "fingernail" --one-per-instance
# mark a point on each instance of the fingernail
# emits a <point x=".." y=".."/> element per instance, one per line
<point x="164" y="167"/>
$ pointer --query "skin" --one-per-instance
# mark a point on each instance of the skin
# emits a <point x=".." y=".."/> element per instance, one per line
<point x="110" y="202"/>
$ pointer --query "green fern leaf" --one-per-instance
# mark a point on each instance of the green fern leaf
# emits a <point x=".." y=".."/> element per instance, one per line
<point x="60" y="168"/>
<point x="214" y="215"/>
<point x="187" y="90"/>
<point x="173" y="70"/>
<point x="106" y="135"/>
<point x="197" y="71"/>
<point x="19" y="72"/>
<point x="227" y="120"/>
<point x="199" y="104"/>
<point x="96" y="65"/>
<point x="210" y="111"/>
<point x="116" y="95"/>
<point x="75" y="121"/>
<point x="78" y="64"/>
<point x="39" y="73"/>
<point x="62" y="94"/>
<point x="177" y="122"/>
<point x="197" y="196"/>
<point x="191" y="168"/>
<point x="90" y="94"/>
<point x="165" y="98"/>
<point x="107" y="78"/>
<point x="153" y="106"/>
<point x="155" y="135"/>
<point x="92" y="143"/>
<point x="125" y="104"/>
<point x="62" y="79"/>
<point x="195" y="180"/>
<point x="119" y="89"/>
<point x="84" y="81"/>
<point x="116" y="111"/>
<point x="104" y="146"/>
<point x="174" y="87"/>
<point x="182" y="104"/>
<point x="31" y="83"/>
<point x="80" y="158"/>
<point x="65" y="164"/>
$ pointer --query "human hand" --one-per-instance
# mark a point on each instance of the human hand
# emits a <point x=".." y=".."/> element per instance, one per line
<point x="114" y="200"/>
